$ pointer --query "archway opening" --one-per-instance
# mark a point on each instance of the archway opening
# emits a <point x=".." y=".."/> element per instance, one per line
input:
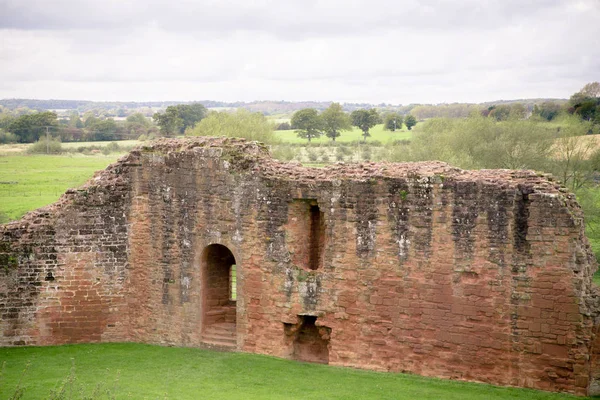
<point x="219" y="296"/>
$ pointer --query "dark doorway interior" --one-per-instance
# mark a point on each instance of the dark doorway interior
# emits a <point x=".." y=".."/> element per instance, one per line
<point x="308" y="342"/>
<point x="219" y="296"/>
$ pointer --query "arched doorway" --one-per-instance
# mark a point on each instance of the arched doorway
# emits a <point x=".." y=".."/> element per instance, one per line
<point x="219" y="296"/>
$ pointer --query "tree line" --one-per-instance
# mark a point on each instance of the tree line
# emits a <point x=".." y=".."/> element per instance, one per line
<point x="310" y="124"/>
<point x="30" y="127"/>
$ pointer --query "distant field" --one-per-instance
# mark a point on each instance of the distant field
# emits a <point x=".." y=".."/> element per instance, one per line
<point x="137" y="371"/>
<point x="377" y="133"/>
<point x="28" y="182"/>
<point x="6" y="149"/>
<point x="122" y="143"/>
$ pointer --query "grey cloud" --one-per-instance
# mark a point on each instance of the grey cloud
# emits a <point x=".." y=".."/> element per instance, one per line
<point x="292" y="20"/>
<point x="356" y="50"/>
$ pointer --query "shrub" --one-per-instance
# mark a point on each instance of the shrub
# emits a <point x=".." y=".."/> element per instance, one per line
<point x="284" y="126"/>
<point x="283" y="153"/>
<point x="366" y="153"/>
<point x="312" y="155"/>
<point x="242" y="123"/>
<point x="7" y="137"/>
<point x="43" y="146"/>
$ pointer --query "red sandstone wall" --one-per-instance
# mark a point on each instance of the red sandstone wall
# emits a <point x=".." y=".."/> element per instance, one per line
<point x="66" y="269"/>
<point x="425" y="269"/>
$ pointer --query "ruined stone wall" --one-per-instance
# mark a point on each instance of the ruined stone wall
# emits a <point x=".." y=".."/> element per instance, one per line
<point x="64" y="268"/>
<point x="424" y="268"/>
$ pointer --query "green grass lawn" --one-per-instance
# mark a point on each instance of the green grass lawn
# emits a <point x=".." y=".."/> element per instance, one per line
<point x="28" y="182"/>
<point x="377" y="133"/>
<point x="140" y="371"/>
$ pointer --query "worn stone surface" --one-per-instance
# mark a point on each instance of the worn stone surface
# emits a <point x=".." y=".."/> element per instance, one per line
<point x="424" y="268"/>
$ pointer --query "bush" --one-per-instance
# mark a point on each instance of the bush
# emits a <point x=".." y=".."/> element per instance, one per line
<point x="43" y="146"/>
<point x="113" y="147"/>
<point x="284" y="126"/>
<point x="312" y="155"/>
<point x="242" y="123"/>
<point x="366" y="153"/>
<point x="7" y="137"/>
<point x="283" y="153"/>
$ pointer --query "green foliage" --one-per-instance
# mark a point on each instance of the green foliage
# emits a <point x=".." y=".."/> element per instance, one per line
<point x="139" y="371"/>
<point x="355" y="135"/>
<point x="392" y="121"/>
<point x="479" y="142"/>
<point x="284" y="126"/>
<point x="365" y="120"/>
<point x="410" y="121"/>
<point x="137" y="124"/>
<point x="30" y="127"/>
<point x="575" y="159"/>
<point x="7" y="137"/>
<point x="456" y="110"/>
<point x="46" y="146"/>
<point x="340" y="153"/>
<point x="308" y="123"/>
<point x="586" y="103"/>
<point x="591" y="89"/>
<point x="312" y="155"/>
<point x="190" y="115"/>
<point x="283" y="153"/>
<point x="366" y="153"/>
<point x="75" y="121"/>
<point x="177" y="119"/>
<point x="335" y="120"/>
<point x="102" y="129"/>
<point x="242" y="123"/>
<point x="547" y="110"/>
<point x="168" y="122"/>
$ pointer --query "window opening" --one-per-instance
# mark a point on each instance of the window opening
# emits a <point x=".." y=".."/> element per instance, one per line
<point x="316" y="237"/>
<point x="233" y="283"/>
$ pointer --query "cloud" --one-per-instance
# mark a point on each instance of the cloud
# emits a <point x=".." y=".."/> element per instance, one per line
<point x="399" y="52"/>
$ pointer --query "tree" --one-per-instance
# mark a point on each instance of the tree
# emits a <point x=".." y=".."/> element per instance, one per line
<point x="168" y="122"/>
<point x="137" y="124"/>
<point x="284" y="126"/>
<point x="103" y="129"/>
<point x="190" y="114"/>
<point x="75" y="121"/>
<point x="335" y="120"/>
<point x="308" y="123"/>
<point x="242" y="123"/>
<point x="410" y="121"/>
<point x="176" y="119"/>
<point x="586" y="102"/>
<point x="547" y="110"/>
<point x="365" y="120"/>
<point x="30" y="127"/>
<point x="392" y="121"/>
<point x="501" y="112"/>
<point x="479" y="142"/>
<point x="576" y="159"/>
<point x="591" y="89"/>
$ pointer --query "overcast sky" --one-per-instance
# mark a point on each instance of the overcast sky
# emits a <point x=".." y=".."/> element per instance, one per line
<point x="400" y="52"/>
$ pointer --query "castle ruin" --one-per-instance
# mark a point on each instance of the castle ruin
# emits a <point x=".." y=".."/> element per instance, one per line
<point x="417" y="267"/>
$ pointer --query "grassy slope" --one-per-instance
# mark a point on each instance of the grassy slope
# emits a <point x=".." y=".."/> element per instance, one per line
<point x="143" y="371"/>
<point x="30" y="182"/>
<point x="377" y="133"/>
